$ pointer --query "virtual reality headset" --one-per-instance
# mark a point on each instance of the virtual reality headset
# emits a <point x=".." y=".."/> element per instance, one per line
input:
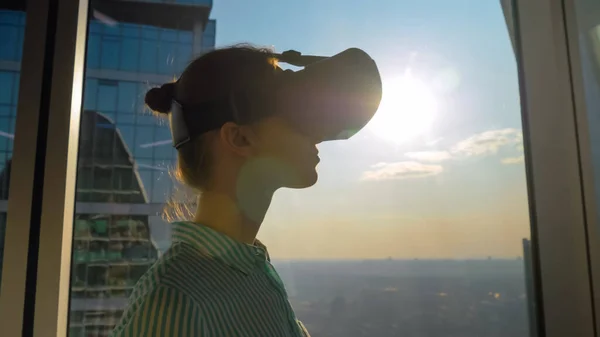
<point x="331" y="98"/>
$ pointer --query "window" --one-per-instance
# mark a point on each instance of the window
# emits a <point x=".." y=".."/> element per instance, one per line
<point x="90" y="101"/>
<point x="127" y="97"/>
<point x="122" y="159"/>
<point x="148" y="56"/>
<point x="130" y="53"/>
<point x="107" y="96"/>
<point x="109" y="52"/>
<point x="419" y="224"/>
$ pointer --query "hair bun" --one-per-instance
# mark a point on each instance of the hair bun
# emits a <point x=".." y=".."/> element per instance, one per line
<point x="160" y="99"/>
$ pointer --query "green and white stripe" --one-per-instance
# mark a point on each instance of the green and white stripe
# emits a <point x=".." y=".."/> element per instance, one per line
<point x="209" y="285"/>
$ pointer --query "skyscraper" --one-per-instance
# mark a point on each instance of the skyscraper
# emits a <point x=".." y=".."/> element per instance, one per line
<point x="125" y="151"/>
<point x="111" y="250"/>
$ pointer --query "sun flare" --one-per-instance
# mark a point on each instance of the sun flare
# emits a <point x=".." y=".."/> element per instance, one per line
<point x="407" y="110"/>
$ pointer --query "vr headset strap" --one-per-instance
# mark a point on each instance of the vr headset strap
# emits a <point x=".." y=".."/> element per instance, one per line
<point x="191" y="121"/>
<point x="295" y="58"/>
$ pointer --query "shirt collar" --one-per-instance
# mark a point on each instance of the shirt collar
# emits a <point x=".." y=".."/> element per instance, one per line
<point x="241" y="256"/>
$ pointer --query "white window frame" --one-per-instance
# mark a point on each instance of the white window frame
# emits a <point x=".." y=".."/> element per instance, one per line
<point x="51" y="85"/>
<point x="553" y="170"/>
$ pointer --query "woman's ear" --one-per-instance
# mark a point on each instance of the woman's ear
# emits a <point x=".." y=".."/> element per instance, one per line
<point x="240" y="139"/>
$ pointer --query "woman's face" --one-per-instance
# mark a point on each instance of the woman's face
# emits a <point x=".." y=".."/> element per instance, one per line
<point x="287" y="156"/>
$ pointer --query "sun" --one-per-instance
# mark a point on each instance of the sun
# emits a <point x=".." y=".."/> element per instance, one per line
<point x="407" y="110"/>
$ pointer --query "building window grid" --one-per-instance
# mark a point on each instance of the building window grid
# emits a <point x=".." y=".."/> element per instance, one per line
<point x="15" y="90"/>
<point x="159" y="48"/>
<point x="5" y="156"/>
<point x="155" y="158"/>
<point x="140" y="48"/>
<point x="105" y="58"/>
<point x="96" y="29"/>
<point x="8" y="124"/>
<point x="154" y="162"/>
<point x="93" y="149"/>
<point x="176" y="62"/>
<point x="140" y="53"/>
<point x="123" y="30"/>
<point x="5" y="109"/>
<point x="98" y="50"/>
<point x="11" y="130"/>
<point x="132" y="149"/>
<point x="133" y="145"/>
<point x="115" y="141"/>
<point x="14" y="101"/>
<point x="136" y="233"/>
<point x="19" y="25"/>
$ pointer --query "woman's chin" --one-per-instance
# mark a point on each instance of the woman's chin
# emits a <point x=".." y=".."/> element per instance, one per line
<point x="305" y="181"/>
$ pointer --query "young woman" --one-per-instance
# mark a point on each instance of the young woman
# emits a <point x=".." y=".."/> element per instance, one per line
<point x="217" y="279"/>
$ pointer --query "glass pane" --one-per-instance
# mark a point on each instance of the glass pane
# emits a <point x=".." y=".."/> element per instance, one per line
<point x="12" y="28"/>
<point x="418" y="225"/>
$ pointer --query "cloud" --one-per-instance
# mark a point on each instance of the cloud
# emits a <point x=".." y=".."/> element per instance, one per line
<point x="488" y="142"/>
<point x="401" y="170"/>
<point x="513" y="160"/>
<point x="429" y="156"/>
<point x="434" y="142"/>
<point x="520" y="146"/>
<point x="423" y="163"/>
<point x="480" y="144"/>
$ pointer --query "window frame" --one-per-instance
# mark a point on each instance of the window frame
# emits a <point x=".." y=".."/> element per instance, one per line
<point x="558" y="220"/>
<point x="562" y="269"/>
<point x="34" y="293"/>
<point x="590" y="191"/>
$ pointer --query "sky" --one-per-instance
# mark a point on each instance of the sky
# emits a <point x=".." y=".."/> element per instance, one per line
<point x="438" y="172"/>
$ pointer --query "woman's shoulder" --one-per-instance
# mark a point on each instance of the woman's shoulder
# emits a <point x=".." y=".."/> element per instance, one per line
<point x="173" y="269"/>
<point x="180" y="263"/>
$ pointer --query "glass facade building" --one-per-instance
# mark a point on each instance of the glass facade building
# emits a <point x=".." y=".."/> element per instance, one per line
<point x="124" y="152"/>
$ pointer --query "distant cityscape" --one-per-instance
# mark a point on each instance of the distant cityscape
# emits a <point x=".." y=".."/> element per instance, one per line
<point x="478" y="298"/>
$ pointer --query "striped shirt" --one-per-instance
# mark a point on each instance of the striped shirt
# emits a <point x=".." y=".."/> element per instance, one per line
<point x="209" y="285"/>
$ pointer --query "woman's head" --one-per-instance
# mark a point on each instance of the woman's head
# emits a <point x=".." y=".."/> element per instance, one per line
<point x="267" y="151"/>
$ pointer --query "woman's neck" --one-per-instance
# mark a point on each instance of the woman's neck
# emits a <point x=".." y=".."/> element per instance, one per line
<point x="237" y="215"/>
